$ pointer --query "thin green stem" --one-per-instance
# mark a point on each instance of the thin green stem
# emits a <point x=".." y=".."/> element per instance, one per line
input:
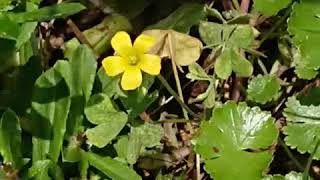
<point x="175" y="95"/>
<point x="306" y="170"/>
<point x="291" y="156"/>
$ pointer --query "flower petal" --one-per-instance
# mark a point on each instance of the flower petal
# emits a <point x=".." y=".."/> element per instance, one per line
<point x="131" y="78"/>
<point x="150" y="64"/>
<point x="143" y="43"/>
<point x="114" y="65"/>
<point x="122" y="45"/>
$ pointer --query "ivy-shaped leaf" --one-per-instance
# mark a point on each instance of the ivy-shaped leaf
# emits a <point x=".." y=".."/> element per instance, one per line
<point x="233" y="138"/>
<point x="305" y="27"/>
<point x="303" y="126"/>
<point x="270" y="7"/>
<point x="109" y="121"/>
<point x="263" y="89"/>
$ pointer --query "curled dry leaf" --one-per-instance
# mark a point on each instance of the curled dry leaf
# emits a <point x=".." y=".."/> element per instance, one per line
<point x="181" y="48"/>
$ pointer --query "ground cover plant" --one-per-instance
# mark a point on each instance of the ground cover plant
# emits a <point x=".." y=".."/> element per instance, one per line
<point x="170" y="89"/>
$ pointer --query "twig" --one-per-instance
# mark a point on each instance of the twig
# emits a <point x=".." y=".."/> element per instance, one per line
<point x="175" y="95"/>
<point x="291" y="156"/>
<point x="306" y="170"/>
<point x="79" y="35"/>
<point x="175" y="72"/>
<point x="198" y="177"/>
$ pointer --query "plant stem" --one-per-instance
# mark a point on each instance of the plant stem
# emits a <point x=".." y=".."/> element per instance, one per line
<point x="291" y="156"/>
<point x="306" y="170"/>
<point x="175" y="95"/>
<point x="236" y="4"/>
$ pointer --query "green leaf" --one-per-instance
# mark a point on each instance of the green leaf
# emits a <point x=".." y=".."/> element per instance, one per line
<point x="210" y="94"/>
<point x="8" y="29"/>
<point x="110" y="86"/>
<point x="231" y="36"/>
<point x="122" y="147"/>
<point x="240" y="65"/>
<point x="100" y="110"/>
<point x="109" y="121"/>
<point x="304" y="26"/>
<point x="196" y="72"/>
<point x="6" y="5"/>
<point x="231" y="138"/>
<point x="302" y="128"/>
<point x="290" y="176"/>
<point x="223" y="64"/>
<point x="211" y="32"/>
<point x="141" y="137"/>
<point x="270" y="7"/>
<point x="139" y="100"/>
<point x="10" y="139"/>
<point x="47" y="13"/>
<point x="50" y="108"/>
<point x="112" y="168"/>
<point x="242" y="36"/>
<point x="79" y="74"/>
<point x="263" y="89"/>
<point x="25" y="33"/>
<point x="40" y="170"/>
<point x="182" y="19"/>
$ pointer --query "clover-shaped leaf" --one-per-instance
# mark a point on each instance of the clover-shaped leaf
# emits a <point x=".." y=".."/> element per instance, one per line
<point x="233" y="139"/>
<point x="141" y="137"/>
<point x="231" y="38"/>
<point x="263" y="89"/>
<point x="303" y="126"/>
<point x="109" y="121"/>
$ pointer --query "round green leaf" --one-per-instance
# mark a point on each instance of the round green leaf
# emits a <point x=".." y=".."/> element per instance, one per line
<point x="262" y="89"/>
<point x="224" y="140"/>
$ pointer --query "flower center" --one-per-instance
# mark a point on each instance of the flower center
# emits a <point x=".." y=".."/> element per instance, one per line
<point x="133" y="60"/>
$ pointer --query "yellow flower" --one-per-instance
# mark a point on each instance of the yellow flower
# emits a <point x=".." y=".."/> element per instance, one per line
<point x="131" y="59"/>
